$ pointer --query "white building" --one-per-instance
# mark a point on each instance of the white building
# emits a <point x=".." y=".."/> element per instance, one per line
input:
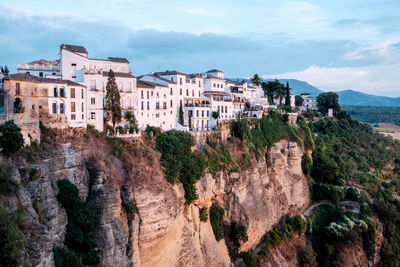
<point x="93" y="73"/>
<point x="309" y="102"/>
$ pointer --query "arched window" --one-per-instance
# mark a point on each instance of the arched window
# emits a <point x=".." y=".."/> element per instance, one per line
<point x="18" y="105"/>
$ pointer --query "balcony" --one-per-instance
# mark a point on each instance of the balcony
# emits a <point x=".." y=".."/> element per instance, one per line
<point x="198" y="105"/>
<point x="93" y="71"/>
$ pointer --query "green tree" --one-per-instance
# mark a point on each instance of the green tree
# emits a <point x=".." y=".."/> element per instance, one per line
<point x="217" y="221"/>
<point x="181" y="120"/>
<point x="11" y="139"/>
<point x="256" y="80"/>
<point x="131" y="119"/>
<point x="215" y="116"/>
<point x="113" y="105"/>
<point x="274" y="90"/>
<point x="287" y="94"/>
<point x="5" y="70"/>
<point x="298" y="101"/>
<point x="328" y="100"/>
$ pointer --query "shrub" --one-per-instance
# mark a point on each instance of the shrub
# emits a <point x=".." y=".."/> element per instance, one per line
<point x="306" y="164"/>
<point x="130" y="209"/>
<point x="217" y="221"/>
<point x="65" y="258"/>
<point x="91" y="130"/>
<point x="240" y="127"/>
<point x="307" y="257"/>
<point x="83" y="218"/>
<point x="152" y="132"/>
<point x="237" y="233"/>
<point x="11" y="139"/>
<point x="203" y="214"/>
<point x="250" y="260"/>
<point x="180" y="162"/>
<point x="7" y="185"/>
<point x="11" y="236"/>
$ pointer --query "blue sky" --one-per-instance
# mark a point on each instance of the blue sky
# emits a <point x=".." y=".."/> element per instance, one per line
<point x="333" y="45"/>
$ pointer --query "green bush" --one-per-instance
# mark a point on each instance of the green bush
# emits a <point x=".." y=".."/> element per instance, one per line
<point x="306" y="164"/>
<point x="250" y="260"/>
<point x="180" y="162"/>
<point x="237" y="233"/>
<point x="328" y="192"/>
<point x="83" y="218"/>
<point x="65" y="258"/>
<point x="217" y="221"/>
<point x="11" y="139"/>
<point x="11" y="236"/>
<point x="152" y="132"/>
<point x="7" y="185"/>
<point x="240" y="127"/>
<point x="203" y="214"/>
<point x="307" y="257"/>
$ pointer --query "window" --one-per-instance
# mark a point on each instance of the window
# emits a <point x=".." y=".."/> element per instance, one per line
<point x="187" y="92"/>
<point x="92" y="116"/>
<point x="170" y="91"/>
<point x="208" y="113"/>
<point x="157" y="115"/>
<point x="214" y="84"/>
<point x="157" y="105"/>
<point x="202" y="113"/>
<point x="226" y="109"/>
<point x="73" y="117"/>
<point x="40" y="74"/>
<point x="164" y="105"/>
<point x="82" y="96"/>
<point x="17" y="89"/>
<point x="197" y="113"/>
<point x="83" y="116"/>
<point x="54" y="108"/>
<point x="72" y="92"/>
<point x="62" y="92"/>
<point x="72" y="106"/>
<point x="73" y="65"/>
<point x="93" y="100"/>
<point x="141" y="93"/>
<point x="148" y="94"/>
<point x="199" y="84"/>
<point x="148" y="105"/>
<point x="62" y="110"/>
<point x="82" y="107"/>
<point x="171" y="104"/>
<point x="33" y="107"/>
<point x="55" y="91"/>
<point x="180" y="81"/>
<point x="180" y="91"/>
<point x="192" y="92"/>
<point x="142" y="105"/>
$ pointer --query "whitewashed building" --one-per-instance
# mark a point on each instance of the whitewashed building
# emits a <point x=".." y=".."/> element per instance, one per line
<point x="309" y="102"/>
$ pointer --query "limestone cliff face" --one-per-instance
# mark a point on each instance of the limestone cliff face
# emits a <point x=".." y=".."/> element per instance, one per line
<point x="165" y="231"/>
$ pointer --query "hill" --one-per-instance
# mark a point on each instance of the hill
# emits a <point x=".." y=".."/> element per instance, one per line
<point x="350" y="97"/>
<point x="299" y="87"/>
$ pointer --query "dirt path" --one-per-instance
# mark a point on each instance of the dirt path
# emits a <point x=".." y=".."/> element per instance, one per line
<point x="353" y="204"/>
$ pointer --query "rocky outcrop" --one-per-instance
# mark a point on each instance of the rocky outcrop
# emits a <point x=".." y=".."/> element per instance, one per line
<point x="165" y="231"/>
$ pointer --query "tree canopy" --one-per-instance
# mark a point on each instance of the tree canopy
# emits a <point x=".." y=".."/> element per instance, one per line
<point x="11" y="139"/>
<point x="328" y="100"/>
<point x="256" y="79"/>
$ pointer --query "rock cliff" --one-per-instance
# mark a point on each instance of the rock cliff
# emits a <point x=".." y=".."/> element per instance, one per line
<point x="165" y="231"/>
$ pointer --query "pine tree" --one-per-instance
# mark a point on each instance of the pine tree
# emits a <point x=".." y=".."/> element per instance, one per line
<point x="5" y="70"/>
<point x="180" y="120"/>
<point x="113" y="105"/>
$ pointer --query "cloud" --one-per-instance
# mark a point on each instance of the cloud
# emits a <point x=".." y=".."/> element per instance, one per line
<point x="381" y="79"/>
<point x="203" y="12"/>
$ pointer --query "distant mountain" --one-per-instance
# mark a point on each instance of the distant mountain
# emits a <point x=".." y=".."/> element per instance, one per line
<point x="350" y="97"/>
<point x="299" y="87"/>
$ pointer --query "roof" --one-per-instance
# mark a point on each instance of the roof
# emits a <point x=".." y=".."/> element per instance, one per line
<point x="44" y="62"/>
<point x="157" y="77"/>
<point x="305" y="93"/>
<point x="194" y="75"/>
<point x="229" y="81"/>
<point x="213" y="77"/>
<point x="74" y="48"/>
<point x="118" y="59"/>
<point x="214" y="70"/>
<point x="241" y="82"/>
<point x="119" y="74"/>
<point x="146" y="84"/>
<point x="30" y="78"/>
<point x="169" y="72"/>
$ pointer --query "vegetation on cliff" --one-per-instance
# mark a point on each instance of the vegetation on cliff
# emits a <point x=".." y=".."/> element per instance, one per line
<point x="83" y="218"/>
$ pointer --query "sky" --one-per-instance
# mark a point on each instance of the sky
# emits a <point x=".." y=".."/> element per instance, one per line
<point x="332" y="44"/>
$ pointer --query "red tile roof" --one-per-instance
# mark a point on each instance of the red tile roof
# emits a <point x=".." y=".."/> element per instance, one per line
<point x="30" y="78"/>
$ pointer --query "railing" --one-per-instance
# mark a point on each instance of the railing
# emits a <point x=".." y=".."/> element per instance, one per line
<point x="198" y="105"/>
<point x="93" y="71"/>
<point x="38" y="67"/>
<point x="19" y="109"/>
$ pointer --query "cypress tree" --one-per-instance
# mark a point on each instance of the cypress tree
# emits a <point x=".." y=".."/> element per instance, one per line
<point x="113" y="105"/>
<point x="287" y="89"/>
<point x="180" y="120"/>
